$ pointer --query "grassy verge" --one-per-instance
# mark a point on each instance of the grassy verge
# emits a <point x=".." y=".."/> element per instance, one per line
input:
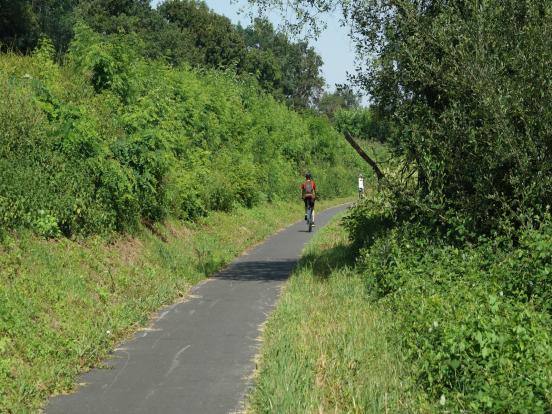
<point x="325" y="347"/>
<point x="422" y="322"/>
<point x="64" y="304"/>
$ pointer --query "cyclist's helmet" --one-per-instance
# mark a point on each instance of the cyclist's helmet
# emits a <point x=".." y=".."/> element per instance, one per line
<point x="308" y="176"/>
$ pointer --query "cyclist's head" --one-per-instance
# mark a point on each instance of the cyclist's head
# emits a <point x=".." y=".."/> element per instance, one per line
<point x="308" y="176"/>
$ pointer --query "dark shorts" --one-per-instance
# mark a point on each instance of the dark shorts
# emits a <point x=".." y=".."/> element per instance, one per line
<point x="309" y="201"/>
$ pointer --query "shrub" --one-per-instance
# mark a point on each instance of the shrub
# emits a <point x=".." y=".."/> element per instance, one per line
<point x="368" y="221"/>
<point x="111" y="139"/>
<point x="474" y="339"/>
<point x="526" y="272"/>
<point x="474" y="350"/>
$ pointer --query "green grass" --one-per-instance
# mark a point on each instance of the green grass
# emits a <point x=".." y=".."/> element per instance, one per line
<point x="325" y="347"/>
<point x="64" y="304"/>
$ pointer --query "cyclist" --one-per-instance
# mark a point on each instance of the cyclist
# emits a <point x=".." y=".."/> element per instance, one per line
<point x="308" y="193"/>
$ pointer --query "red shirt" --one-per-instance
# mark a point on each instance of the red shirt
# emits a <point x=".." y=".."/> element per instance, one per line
<point x="313" y="188"/>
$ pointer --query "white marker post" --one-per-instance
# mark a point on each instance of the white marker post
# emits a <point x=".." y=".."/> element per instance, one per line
<point x="360" y="186"/>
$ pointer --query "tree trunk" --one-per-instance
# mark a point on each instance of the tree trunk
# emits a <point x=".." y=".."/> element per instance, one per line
<point x="365" y="157"/>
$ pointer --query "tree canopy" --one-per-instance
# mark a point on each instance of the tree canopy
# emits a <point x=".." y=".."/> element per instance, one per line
<point x="215" y="38"/>
<point x="290" y="69"/>
<point x="342" y="98"/>
<point x="22" y="22"/>
<point x="179" y="31"/>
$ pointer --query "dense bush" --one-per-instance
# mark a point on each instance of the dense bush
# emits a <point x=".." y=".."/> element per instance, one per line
<point x="110" y="139"/>
<point x="474" y="350"/>
<point x="525" y="273"/>
<point x="473" y="320"/>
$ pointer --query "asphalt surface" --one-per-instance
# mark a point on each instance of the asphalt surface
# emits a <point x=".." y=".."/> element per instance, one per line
<point x="197" y="356"/>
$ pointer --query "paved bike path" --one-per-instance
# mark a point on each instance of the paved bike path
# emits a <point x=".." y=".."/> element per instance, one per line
<point x="197" y="357"/>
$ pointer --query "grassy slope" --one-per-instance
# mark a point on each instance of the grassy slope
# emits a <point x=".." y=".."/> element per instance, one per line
<point x="324" y="347"/>
<point x="64" y="305"/>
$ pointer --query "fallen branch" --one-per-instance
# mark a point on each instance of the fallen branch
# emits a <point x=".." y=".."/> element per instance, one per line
<point x="365" y="157"/>
<point x="149" y="225"/>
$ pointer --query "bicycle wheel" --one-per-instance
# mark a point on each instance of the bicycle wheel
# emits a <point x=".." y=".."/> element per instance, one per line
<point x="309" y="219"/>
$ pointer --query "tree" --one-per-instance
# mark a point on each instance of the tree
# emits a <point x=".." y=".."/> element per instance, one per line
<point x="342" y="98"/>
<point x="304" y="84"/>
<point x="295" y="66"/>
<point x="468" y="88"/>
<point x="162" y="39"/>
<point x="22" y="22"/>
<point x="56" y="20"/>
<point x="364" y="123"/>
<point x="115" y="16"/>
<point x="267" y="69"/>
<point x="18" y="25"/>
<point x="218" y="43"/>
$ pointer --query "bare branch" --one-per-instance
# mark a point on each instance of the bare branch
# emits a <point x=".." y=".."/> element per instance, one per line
<point x="365" y="157"/>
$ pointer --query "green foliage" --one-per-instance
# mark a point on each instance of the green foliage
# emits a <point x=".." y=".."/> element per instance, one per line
<point x="472" y="320"/>
<point x="18" y="25"/>
<point x="114" y="16"/>
<point x="55" y="20"/>
<point x="343" y="98"/>
<point x="112" y="139"/>
<point x="474" y="350"/>
<point x="463" y="84"/>
<point x="290" y="70"/>
<point x="23" y="22"/>
<point x="526" y="273"/>
<point x="364" y="123"/>
<point x="218" y="43"/>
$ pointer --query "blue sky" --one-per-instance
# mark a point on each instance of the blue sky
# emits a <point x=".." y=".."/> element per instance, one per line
<point x="333" y="44"/>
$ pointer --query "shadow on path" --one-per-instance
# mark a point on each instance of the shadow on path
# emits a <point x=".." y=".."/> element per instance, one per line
<point x="264" y="271"/>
